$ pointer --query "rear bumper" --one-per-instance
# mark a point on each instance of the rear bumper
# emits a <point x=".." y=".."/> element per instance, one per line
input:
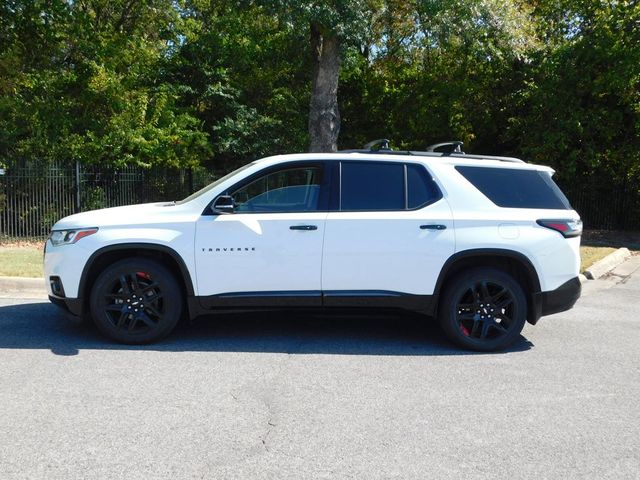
<point x="562" y="298"/>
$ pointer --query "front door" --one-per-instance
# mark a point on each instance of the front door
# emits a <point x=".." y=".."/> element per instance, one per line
<point x="269" y="251"/>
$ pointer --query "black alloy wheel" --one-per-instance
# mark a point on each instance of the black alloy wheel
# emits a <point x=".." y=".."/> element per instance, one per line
<point x="483" y="309"/>
<point x="136" y="301"/>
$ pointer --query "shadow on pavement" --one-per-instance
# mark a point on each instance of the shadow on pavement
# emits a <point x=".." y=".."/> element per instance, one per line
<point x="44" y="326"/>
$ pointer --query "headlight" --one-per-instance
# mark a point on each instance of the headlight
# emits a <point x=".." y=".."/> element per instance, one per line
<point x="67" y="237"/>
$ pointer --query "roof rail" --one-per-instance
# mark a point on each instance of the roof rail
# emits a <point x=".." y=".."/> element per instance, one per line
<point x="381" y="143"/>
<point x="456" y="144"/>
<point x="383" y="147"/>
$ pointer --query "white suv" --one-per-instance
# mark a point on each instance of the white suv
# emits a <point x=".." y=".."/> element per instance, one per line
<point x="482" y="243"/>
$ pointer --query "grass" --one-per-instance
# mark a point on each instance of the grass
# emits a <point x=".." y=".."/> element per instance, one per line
<point x="21" y="262"/>
<point x="26" y="260"/>
<point x="590" y="255"/>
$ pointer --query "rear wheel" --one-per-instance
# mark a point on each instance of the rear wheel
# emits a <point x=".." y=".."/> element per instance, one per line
<point x="483" y="309"/>
<point x="136" y="301"/>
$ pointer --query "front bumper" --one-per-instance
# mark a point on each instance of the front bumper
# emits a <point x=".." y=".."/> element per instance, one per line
<point x="74" y="306"/>
<point x="562" y="298"/>
<point x="66" y="263"/>
<point x="57" y="296"/>
<point x="63" y="268"/>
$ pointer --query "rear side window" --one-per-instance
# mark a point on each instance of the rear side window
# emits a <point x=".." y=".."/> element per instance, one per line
<point x="511" y="188"/>
<point x="372" y="186"/>
<point x="378" y="186"/>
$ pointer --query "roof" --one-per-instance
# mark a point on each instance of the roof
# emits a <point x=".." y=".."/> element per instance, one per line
<point x="431" y="158"/>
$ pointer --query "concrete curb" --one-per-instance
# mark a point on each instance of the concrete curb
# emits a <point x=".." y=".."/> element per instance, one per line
<point x="607" y="264"/>
<point x="23" y="287"/>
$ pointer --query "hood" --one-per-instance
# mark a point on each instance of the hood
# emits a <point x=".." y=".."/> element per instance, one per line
<point x="145" y="213"/>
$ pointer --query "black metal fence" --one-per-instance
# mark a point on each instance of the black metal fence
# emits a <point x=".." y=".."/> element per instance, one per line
<point x="34" y="196"/>
<point x="603" y="205"/>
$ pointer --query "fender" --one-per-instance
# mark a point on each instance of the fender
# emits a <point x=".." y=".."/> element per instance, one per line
<point x="480" y="253"/>
<point x="186" y="276"/>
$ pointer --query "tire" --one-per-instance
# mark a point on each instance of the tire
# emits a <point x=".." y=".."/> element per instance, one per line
<point x="136" y="301"/>
<point x="483" y="309"/>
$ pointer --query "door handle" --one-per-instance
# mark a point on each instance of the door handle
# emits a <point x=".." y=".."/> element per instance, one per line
<point x="437" y="226"/>
<point x="303" y="227"/>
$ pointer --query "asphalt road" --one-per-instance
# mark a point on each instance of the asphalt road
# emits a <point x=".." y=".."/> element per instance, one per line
<point x="270" y="396"/>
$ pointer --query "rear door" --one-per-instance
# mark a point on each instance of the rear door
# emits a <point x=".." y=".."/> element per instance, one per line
<point x="390" y="237"/>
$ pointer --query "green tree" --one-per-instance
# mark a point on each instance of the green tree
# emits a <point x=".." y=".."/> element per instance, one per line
<point x="240" y="72"/>
<point x="80" y="81"/>
<point x="580" y="110"/>
<point x="438" y="70"/>
<point x="333" y="28"/>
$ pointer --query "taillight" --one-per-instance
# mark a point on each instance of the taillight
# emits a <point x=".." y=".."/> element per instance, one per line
<point x="568" y="228"/>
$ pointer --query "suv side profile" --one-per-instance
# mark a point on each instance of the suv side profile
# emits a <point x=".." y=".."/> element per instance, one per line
<point x="481" y="243"/>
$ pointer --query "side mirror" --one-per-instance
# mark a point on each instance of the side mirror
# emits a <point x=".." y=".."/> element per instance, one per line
<point x="224" y="204"/>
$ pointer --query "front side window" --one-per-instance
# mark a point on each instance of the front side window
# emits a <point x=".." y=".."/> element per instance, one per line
<point x="290" y="190"/>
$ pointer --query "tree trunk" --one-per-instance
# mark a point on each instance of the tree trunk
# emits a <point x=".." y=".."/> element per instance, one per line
<point x="324" y="117"/>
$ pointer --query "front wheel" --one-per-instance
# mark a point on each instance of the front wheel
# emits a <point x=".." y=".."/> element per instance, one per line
<point x="483" y="309"/>
<point x="136" y="301"/>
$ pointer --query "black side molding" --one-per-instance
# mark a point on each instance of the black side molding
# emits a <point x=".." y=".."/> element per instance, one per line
<point x="248" y="300"/>
<point x="315" y="298"/>
<point x="378" y="299"/>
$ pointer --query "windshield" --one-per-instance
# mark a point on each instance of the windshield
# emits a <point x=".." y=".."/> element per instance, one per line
<point x="213" y="185"/>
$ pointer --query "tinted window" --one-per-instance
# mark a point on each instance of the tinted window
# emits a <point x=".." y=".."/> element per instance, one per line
<point x="291" y="190"/>
<point x="421" y="189"/>
<point x="372" y="186"/>
<point x="508" y="187"/>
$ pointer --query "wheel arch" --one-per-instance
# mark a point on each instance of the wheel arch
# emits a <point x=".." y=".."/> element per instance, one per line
<point x="513" y="262"/>
<point x="112" y="253"/>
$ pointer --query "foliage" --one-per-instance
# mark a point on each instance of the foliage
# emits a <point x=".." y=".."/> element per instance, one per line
<point x="580" y="111"/>
<point x="349" y="20"/>
<point x="441" y="71"/>
<point x="94" y="198"/>
<point x="80" y="82"/>
<point x="195" y="82"/>
<point x="240" y="72"/>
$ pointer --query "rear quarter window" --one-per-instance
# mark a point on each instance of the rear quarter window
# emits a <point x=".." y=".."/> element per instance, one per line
<point x="421" y="189"/>
<point x="514" y="188"/>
